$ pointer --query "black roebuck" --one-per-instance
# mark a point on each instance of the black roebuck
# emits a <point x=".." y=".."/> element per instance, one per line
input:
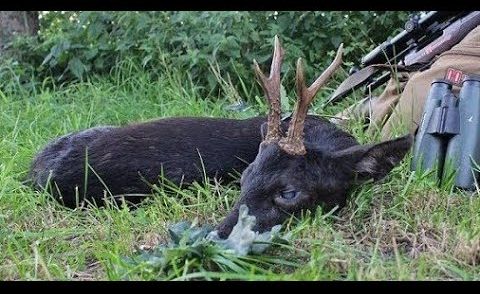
<point x="315" y="163"/>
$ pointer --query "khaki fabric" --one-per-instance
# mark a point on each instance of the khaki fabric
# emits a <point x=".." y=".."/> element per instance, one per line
<point x="400" y="106"/>
<point x="376" y="109"/>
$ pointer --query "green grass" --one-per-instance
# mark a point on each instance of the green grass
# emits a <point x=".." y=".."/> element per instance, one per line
<point x="403" y="228"/>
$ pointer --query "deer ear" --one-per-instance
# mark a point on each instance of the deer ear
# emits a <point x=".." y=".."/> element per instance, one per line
<point x="376" y="161"/>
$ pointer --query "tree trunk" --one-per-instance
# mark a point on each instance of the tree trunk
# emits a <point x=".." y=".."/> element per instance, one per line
<point x="17" y="23"/>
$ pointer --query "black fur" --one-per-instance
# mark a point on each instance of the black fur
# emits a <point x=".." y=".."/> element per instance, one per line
<point x="129" y="159"/>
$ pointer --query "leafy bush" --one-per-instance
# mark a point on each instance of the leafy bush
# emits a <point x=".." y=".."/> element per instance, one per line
<point x="72" y="46"/>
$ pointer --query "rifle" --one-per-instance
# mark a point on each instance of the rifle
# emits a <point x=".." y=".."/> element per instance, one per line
<point x="414" y="48"/>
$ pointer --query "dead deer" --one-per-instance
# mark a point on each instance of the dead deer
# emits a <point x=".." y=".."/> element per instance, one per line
<point x="284" y="170"/>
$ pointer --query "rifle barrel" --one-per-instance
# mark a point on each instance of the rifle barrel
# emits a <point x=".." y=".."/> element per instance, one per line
<point x="430" y="24"/>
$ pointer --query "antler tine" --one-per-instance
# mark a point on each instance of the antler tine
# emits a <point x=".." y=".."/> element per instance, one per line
<point x="271" y="87"/>
<point x="293" y="142"/>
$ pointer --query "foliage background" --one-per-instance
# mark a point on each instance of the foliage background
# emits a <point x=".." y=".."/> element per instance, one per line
<point x="73" y="46"/>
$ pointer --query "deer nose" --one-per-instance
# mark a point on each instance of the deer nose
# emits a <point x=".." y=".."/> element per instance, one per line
<point x="225" y="227"/>
<point x="224" y="231"/>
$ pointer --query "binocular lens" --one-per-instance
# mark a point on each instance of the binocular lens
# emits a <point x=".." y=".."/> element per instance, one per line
<point x="464" y="150"/>
<point x="427" y="149"/>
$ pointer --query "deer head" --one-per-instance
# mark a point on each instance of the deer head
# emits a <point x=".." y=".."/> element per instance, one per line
<point x="315" y="163"/>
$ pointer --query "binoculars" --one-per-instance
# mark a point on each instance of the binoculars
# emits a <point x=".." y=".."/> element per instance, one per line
<point x="448" y="139"/>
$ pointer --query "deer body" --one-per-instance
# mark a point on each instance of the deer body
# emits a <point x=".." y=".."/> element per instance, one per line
<point x="129" y="159"/>
<point x="287" y="166"/>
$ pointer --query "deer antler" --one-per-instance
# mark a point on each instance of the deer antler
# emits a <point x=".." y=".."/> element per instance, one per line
<point x="271" y="87"/>
<point x="293" y="142"/>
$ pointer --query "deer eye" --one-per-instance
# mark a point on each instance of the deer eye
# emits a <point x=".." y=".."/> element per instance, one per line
<point x="290" y="194"/>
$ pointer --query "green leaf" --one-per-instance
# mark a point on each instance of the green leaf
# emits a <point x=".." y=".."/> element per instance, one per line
<point x="47" y="58"/>
<point x="284" y="22"/>
<point x="95" y="29"/>
<point x="54" y="52"/>
<point x="76" y="67"/>
<point x="146" y="59"/>
<point x="336" y="40"/>
<point x="99" y="63"/>
<point x="284" y="101"/>
<point x="92" y="53"/>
